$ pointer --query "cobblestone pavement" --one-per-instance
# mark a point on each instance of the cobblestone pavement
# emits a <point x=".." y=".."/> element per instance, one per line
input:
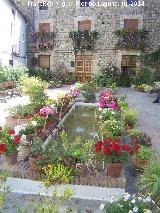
<point x="148" y="114"/>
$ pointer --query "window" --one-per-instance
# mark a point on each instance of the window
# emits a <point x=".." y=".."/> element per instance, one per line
<point x="43" y="6"/>
<point x="84" y="25"/>
<point x="44" y="61"/>
<point x="85" y="3"/>
<point x="44" y="27"/>
<point x="130" y="24"/>
<point x="129" y="60"/>
<point x="132" y="1"/>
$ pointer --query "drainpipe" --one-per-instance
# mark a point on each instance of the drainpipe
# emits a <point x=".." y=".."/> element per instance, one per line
<point x="33" y="16"/>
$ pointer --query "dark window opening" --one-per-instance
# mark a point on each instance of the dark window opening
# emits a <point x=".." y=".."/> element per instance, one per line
<point x="11" y="63"/>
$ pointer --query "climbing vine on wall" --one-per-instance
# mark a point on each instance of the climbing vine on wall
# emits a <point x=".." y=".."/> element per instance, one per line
<point x="131" y="39"/>
<point x="83" y="40"/>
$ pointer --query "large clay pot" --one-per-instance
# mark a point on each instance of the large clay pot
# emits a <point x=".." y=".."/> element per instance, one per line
<point x="32" y="162"/>
<point x="11" y="122"/>
<point x="139" y="163"/>
<point x="12" y="158"/>
<point x="23" y="153"/>
<point x="114" y="169"/>
<point x="82" y="169"/>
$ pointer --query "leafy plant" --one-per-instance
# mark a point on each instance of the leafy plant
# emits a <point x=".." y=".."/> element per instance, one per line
<point x="143" y="139"/>
<point x="149" y="181"/>
<point x="22" y="111"/>
<point x="12" y="73"/>
<point x="36" y="148"/>
<point x="122" y="104"/>
<point x="129" y="117"/>
<point x="144" y="153"/>
<point x="130" y="203"/>
<point x="112" y="128"/>
<point x="34" y="88"/>
<point x="111" y="151"/>
<point x="56" y="174"/>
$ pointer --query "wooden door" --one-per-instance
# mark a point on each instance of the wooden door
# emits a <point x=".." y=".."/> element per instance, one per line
<point x="83" y="68"/>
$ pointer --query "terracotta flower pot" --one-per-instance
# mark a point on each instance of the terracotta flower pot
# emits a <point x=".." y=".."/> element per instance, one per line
<point x="32" y="162"/>
<point x="139" y="163"/>
<point x="82" y="169"/>
<point x="114" y="169"/>
<point x="11" y="122"/>
<point x="12" y="158"/>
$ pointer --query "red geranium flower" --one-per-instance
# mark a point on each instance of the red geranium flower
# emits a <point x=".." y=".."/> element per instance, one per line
<point x="98" y="146"/>
<point x="16" y="139"/>
<point x="2" y="148"/>
<point x="29" y="116"/>
<point x="11" y="132"/>
<point x="106" y="151"/>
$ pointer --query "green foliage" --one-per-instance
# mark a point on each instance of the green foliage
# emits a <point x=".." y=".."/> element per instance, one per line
<point x="129" y="117"/>
<point x="110" y="73"/>
<point x="144" y="76"/>
<point x="39" y="120"/>
<point x="122" y="104"/>
<point x="112" y="128"/>
<point x="149" y="181"/>
<point x="56" y="174"/>
<point x="52" y="204"/>
<point x="129" y="203"/>
<point x="131" y="39"/>
<point x="36" y="148"/>
<point x="144" y="153"/>
<point x="12" y="73"/>
<point x="83" y="40"/>
<point x="143" y="139"/>
<point x="22" y="110"/>
<point x="34" y="88"/>
<point x="88" y="90"/>
<point x="106" y="114"/>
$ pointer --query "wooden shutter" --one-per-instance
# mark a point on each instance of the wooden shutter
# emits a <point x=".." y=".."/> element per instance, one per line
<point x="44" y="27"/>
<point x="129" y="60"/>
<point x="84" y="25"/>
<point x="131" y="24"/>
<point x="44" y="61"/>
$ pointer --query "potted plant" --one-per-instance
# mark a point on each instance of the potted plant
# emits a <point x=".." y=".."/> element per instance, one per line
<point x="51" y="117"/>
<point x="130" y="204"/>
<point x="36" y="154"/>
<point x="38" y="121"/>
<point x="9" y="142"/>
<point x="112" y="128"/>
<point x="114" y="154"/>
<point x="129" y="117"/>
<point x="142" y="157"/>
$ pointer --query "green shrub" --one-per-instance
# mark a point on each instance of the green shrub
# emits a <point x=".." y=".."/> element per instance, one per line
<point x="144" y="76"/>
<point x="12" y="73"/>
<point x="149" y="181"/>
<point x="130" y="117"/>
<point x="22" y="110"/>
<point x="34" y="88"/>
<point x="144" y="153"/>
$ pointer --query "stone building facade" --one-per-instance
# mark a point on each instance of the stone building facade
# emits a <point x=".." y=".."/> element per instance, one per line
<point x="105" y="17"/>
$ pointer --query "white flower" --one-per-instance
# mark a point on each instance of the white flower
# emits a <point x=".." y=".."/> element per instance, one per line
<point x="130" y="211"/>
<point x="102" y="207"/>
<point x="135" y="209"/>
<point x="126" y="196"/>
<point x="111" y="200"/>
<point x="147" y="211"/>
<point x="139" y="198"/>
<point x="119" y="205"/>
<point x="148" y="199"/>
<point x="133" y="201"/>
<point x="23" y="137"/>
<point x="34" y="123"/>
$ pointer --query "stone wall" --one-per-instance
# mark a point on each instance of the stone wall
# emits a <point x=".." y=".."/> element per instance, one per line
<point x="105" y="20"/>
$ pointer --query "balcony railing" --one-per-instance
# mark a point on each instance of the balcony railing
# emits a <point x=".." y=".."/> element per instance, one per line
<point x="131" y="39"/>
<point x="42" y="41"/>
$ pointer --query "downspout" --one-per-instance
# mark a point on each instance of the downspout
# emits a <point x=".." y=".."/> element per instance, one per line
<point x="33" y="16"/>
